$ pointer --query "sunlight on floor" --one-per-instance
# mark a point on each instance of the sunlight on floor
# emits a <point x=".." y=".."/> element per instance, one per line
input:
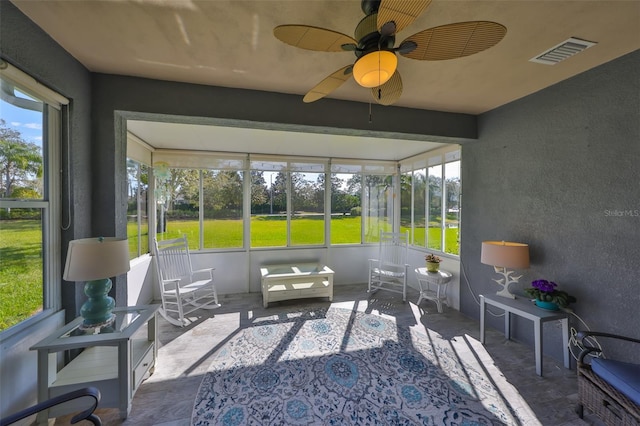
<point x="476" y="360"/>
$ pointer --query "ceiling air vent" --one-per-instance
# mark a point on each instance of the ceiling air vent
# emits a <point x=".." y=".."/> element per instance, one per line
<point x="564" y="50"/>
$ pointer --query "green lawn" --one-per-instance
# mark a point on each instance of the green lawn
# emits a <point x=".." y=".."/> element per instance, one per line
<point x="21" y="271"/>
<point x="21" y="249"/>
<point x="452" y="243"/>
<point x="270" y="231"/>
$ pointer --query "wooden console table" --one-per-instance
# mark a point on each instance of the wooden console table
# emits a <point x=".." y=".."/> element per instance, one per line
<point x="115" y="358"/>
<point x="295" y="281"/>
<point x="525" y="309"/>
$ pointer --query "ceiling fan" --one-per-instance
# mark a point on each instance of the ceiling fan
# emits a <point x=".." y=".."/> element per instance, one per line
<point x="376" y="62"/>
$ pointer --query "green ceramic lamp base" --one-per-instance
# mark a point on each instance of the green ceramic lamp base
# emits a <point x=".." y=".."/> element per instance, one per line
<point x="97" y="309"/>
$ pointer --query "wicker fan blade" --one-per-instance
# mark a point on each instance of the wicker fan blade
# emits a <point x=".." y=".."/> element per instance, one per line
<point x="312" y="38"/>
<point x="455" y="40"/>
<point x="389" y="92"/>
<point x="401" y="12"/>
<point x="329" y="84"/>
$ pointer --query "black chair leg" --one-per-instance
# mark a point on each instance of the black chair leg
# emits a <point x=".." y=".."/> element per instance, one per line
<point x="580" y="410"/>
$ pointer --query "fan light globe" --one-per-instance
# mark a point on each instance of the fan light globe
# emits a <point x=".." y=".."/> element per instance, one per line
<point x="375" y="68"/>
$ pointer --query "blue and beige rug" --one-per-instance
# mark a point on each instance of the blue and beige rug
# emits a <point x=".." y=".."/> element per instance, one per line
<point x="339" y="367"/>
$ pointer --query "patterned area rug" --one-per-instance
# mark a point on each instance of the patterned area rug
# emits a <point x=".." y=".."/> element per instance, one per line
<point x="339" y="367"/>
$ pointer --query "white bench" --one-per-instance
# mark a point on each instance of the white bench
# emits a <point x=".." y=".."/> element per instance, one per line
<point x="295" y="281"/>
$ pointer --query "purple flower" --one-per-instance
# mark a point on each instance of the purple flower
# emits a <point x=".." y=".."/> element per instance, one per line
<point x="544" y="285"/>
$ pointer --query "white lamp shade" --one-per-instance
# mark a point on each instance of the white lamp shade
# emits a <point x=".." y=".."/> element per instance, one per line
<point x="96" y="258"/>
<point x="375" y="68"/>
<point x="505" y="254"/>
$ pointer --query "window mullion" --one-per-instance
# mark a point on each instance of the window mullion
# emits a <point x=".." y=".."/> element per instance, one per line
<point x="139" y="207"/>
<point x="289" y="206"/>
<point x="443" y="208"/>
<point x="327" y="206"/>
<point x="427" y="208"/>
<point x="52" y="213"/>
<point x="201" y="209"/>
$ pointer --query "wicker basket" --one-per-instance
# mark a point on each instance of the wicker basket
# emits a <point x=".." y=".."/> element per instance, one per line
<point x="606" y="402"/>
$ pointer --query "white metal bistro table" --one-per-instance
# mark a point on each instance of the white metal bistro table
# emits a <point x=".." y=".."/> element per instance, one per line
<point x="439" y="279"/>
<point x="525" y="309"/>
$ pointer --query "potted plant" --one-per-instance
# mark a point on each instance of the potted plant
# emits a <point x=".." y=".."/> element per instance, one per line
<point x="433" y="262"/>
<point x="547" y="296"/>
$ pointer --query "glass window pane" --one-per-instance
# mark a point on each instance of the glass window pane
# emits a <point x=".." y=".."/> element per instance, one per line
<point x="406" y="205"/>
<point x="307" y="208"/>
<point x="420" y="207"/>
<point x="137" y="217"/>
<point x="177" y="197"/>
<point x="377" y="207"/>
<point x="143" y="212"/>
<point x="346" y="210"/>
<point x="21" y="274"/>
<point x="434" y="236"/>
<point x="452" y="207"/>
<point x="268" y="209"/>
<point x="133" y="171"/>
<point x="222" y="204"/>
<point x="22" y="167"/>
<point x="21" y="136"/>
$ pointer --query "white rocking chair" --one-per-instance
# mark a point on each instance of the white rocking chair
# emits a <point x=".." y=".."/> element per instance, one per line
<point x="390" y="270"/>
<point x="182" y="293"/>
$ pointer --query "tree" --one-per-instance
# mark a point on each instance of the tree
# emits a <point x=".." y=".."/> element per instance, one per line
<point x="453" y="192"/>
<point x="222" y="191"/>
<point x="279" y="189"/>
<point x="20" y="161"/>
<point x="435" y="197"/>
<point x="259" y="193"/>
<point x="306" y="195"/>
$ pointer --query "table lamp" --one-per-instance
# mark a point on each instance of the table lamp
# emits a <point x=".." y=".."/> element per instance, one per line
<point x="502" y="255"/>
<point x="95" y="260"/>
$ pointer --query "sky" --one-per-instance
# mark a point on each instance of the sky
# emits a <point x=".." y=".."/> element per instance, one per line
<point x="27" y="122"/>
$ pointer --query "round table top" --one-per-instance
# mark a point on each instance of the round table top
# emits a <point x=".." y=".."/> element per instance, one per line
<point x="440" y="276"/>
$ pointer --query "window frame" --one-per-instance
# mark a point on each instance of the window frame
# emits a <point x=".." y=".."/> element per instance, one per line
<point x="53" y="111"/>
<point x="287" y="166"/>
<point x="439" y="157"/>
<point x="180" y="159"/>
<point x="141" y="153"/>
<point x="199" y="162"/>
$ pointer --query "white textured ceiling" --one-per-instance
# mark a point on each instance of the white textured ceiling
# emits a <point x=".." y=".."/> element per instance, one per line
<point x="230" y="43"/>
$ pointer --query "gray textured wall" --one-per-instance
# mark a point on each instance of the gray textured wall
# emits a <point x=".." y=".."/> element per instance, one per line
<point x="26" y="46"/>
<point x="551" y="170"/>
<point x="112" y="96"/>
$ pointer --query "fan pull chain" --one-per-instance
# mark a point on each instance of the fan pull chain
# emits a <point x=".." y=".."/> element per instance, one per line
<point x="370" y="118"/>
<point x="379" y="69"/>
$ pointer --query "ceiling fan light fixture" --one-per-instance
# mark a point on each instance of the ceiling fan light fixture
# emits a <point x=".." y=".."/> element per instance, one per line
<point x="375" y="68"/>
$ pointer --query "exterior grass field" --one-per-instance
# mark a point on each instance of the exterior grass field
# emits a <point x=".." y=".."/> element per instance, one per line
<point x="21" y="248"/>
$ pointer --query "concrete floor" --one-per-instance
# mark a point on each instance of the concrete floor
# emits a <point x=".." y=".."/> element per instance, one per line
<point x="167" y="397"/>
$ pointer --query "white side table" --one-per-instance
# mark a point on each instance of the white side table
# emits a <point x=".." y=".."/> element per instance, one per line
<point x="525" y="309"/>
<point x="114" y="358"/>
<point x="440" y="281"/>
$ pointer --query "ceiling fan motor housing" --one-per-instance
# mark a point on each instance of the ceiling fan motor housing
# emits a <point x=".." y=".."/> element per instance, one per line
<point x="370" y="6"/>
<point x="369" y="39"/>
